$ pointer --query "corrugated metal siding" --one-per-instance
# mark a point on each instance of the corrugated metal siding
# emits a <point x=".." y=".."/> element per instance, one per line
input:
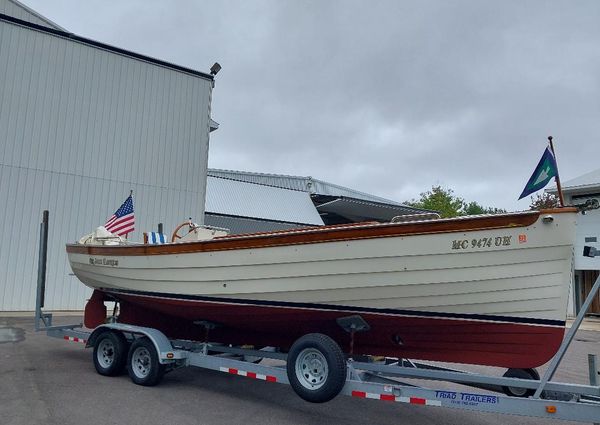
<point x="236" y="198"/>
<point x="325" y="188"/>
<point x="237" y="225"/>
<point x="82" y="126"/>
<point x="276" y="180"/>
<point x="306" y="184"/>
<point x="20" y="11"/>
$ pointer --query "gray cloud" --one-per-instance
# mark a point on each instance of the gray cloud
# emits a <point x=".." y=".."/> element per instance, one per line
<point x="387" y="97"/>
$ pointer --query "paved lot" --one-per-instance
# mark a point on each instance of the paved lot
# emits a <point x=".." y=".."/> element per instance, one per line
<point x="50" y="381"/>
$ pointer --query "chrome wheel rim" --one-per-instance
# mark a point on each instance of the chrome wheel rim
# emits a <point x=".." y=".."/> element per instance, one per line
<point x="518" y="392"/>
<point x="141" y="362"/>
<point x="106" y="353"/>
<point x="311" y="368"/>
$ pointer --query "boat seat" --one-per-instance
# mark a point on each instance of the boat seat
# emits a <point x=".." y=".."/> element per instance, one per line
<point x="155" y="238"/>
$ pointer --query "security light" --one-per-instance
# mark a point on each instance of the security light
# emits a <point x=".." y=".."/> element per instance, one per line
<point x="215" y="68"/>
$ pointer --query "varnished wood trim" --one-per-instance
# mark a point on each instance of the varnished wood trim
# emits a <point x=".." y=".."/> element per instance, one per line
<point x="559" y="210"/>
<point x="317" y="235"/>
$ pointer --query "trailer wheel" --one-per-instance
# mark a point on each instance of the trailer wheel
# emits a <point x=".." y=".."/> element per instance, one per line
<point x="110" y="353"/>
<point x="521" y="374"/>
<point x="316" y="368"/>
<point x="143" y="365"/>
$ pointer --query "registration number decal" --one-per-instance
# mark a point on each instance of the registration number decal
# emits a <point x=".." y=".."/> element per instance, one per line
<point x="460" y="244"/>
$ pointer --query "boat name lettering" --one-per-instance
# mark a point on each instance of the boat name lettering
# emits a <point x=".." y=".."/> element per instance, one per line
<point x="104" y="262"/>
<point x="482" y="242"/>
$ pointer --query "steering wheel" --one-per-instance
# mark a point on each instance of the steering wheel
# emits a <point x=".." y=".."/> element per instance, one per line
<point x="191" y="228"/>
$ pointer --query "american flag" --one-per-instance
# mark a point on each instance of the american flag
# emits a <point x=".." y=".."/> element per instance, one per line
<point x="122" y="221"/>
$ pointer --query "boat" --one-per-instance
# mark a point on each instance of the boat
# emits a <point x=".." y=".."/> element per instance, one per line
<point x="488" y="290"/>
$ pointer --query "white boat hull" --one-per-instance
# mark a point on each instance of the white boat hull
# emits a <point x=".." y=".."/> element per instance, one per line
<point x="517" y="274"/>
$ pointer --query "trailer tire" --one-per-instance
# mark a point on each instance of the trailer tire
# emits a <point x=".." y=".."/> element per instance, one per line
<point x="316" y="368"/>
<point x="521" y="374"/>
<point x="110" y="353"/>
<point x="143" y="365"/>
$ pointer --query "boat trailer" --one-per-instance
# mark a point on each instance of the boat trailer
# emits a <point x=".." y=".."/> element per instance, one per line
<point x="317" y="370"/>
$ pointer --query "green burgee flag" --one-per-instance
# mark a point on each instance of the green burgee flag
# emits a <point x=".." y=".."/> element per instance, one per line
<point x="545" y="170"/>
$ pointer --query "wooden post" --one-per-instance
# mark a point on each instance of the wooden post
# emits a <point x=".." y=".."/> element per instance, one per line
<point x="557" y="178"/>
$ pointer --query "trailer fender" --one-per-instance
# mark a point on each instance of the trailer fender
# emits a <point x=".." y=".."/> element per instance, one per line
<point x="164" y="349"/>
<point x="91" y="341"/>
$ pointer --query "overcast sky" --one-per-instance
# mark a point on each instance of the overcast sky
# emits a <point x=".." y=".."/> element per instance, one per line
<point x="387" y="97"/>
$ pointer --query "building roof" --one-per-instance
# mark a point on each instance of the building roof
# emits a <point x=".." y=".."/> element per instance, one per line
<point x="97" y="44"/>
<point x="358" y="210"/>
<point x="245" y="199"/>
<point x="586" y="180"/>
<point x="586" y="183"/>
<point x="19" y="10"/>
<point x="305" y="184"/>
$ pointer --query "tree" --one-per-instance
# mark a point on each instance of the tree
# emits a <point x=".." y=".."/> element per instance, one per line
<point x="543" y="201"/>
<point x="473" y="208"/>
<point x="447" y="204"/>
<point x="441" y="200"/>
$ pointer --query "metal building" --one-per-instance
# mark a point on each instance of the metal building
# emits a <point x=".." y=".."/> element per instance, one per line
<point x="83" y="123"/>
<point x="585" y="270"/>
<point x="244" y="207"/>
<point x="334" y="204"/>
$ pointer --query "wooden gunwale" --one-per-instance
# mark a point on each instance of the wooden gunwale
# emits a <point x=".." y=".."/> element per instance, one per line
<point x="323" y="234"/>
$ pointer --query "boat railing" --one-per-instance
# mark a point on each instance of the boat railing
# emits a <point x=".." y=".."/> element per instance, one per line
<point x="415" y="217"/>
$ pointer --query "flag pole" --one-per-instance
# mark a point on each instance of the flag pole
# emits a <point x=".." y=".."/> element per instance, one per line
<point x="556" y="178"/>
<point x="130" y="195"/>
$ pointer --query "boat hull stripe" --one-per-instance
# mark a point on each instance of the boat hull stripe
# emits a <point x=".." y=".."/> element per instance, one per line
<point x="350" y="309"/>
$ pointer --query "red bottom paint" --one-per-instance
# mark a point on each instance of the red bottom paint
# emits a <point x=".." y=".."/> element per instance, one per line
<point x="95" y="310"/>
<point x="511" y="345"/>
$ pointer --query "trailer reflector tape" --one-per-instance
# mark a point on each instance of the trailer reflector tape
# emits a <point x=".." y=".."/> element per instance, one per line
<point x="247" y="374"/>
<point x="74" y="339"/>
<point x="390" y="397"/>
